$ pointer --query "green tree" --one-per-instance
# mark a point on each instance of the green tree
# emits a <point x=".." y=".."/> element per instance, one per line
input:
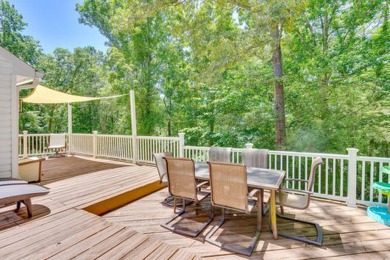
<point x="78" y="73"/>
<point x="139" y="45"/>
<point x="335" y="71"/>
<point x="11" y="37"/>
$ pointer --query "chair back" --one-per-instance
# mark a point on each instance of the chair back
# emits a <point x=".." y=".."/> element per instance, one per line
<point x="255" y="158"/>
<point x="162" y="165"/>
<point x="314" y="165"/>
<point x="181" y="177"/>
<point x="219" y="154"/>
<point x="57" y="141"/>
<point x="228" y="183"/>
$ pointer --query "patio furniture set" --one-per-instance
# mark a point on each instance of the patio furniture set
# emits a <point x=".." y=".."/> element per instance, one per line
<point x="20" y="190"/>
<point x="235" y="187"/>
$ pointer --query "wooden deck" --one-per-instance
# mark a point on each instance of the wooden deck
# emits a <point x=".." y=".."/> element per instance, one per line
<point x="348" y="232"/>
<point x="63" y="226"/>
<point x="62" y="229"/>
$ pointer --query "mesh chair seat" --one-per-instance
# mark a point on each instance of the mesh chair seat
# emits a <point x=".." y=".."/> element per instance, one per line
<point x="255" y="158"/>
<point x="162" y="173"/>
<point x="300" y="199"/>
<point x="219" y="154"/>
<point x="161" y="165"/>
<point x="293" y="200"/>
<point x="57" y="142"/>
<point x="182" y="185"/>
<point x="229" y="190"/>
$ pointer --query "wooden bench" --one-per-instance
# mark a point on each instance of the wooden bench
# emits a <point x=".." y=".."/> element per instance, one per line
<point x="21" y="193"/>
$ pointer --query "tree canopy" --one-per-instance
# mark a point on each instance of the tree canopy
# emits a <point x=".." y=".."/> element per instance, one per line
<point x="304" y="76"/>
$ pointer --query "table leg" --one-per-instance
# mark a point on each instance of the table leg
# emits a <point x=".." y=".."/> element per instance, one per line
<point x="260" y="203"/>
<point x="272" y="214"/>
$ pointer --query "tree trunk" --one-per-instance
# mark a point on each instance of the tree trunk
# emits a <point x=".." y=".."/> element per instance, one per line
<point x="280" y="116"/>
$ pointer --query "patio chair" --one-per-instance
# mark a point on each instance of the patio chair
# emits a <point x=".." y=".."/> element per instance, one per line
<point x="182" y="185"/>
<point x="219" y="154"/>
<point x="21" y="193"/>
<point x="57" y="142"/>
<point x="255" y="158"/>
<point x="162" y="172"/>
<point x="300" y="199"/>
<point x="229" y="190"/>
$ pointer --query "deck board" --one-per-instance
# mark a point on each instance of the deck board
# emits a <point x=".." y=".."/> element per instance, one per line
<point x="62" y="229"/>
<point x="348" y="232"/>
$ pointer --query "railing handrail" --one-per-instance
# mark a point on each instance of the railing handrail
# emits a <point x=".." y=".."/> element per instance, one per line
<point x="367" y="158"/>
<point x="158" y="137"/>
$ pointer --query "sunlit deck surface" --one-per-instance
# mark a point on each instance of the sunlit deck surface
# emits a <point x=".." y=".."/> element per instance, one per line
<point x="62" y="228"/>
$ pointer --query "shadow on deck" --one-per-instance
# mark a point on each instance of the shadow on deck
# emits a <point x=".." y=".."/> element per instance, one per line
<point x="61" y="228"/>
<point x="56" y="169"/>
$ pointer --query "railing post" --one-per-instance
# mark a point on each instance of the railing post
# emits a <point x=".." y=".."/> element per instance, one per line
<point x="25" y="140"/>
<point x="70" y="145"/>
<point x="133" y="126"/>
<point x="134" y="143"/>
<point x="181" y="144"/>
<point x="352" y="173"/>
<point x="248" y="145"/>
<point x="94" y="143"/>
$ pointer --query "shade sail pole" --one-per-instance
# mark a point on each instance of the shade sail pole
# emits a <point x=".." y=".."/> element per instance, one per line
<point x="133" y="126"/>
<point x="70" y="118"/>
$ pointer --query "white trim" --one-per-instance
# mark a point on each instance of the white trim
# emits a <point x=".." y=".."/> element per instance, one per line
<point x="14" y="128"/>
<point x="20" y="67"/>
<point x="20" y="72"/>
<point x="23" y="84"/>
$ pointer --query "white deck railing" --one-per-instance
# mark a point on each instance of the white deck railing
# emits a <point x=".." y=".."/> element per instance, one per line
<point x="147" y="145"/>
<point x="342" y="177"/>
<point x="33" y="144"/>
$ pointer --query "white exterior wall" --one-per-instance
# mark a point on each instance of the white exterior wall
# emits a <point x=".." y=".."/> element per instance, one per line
<point x="7" y="81"/>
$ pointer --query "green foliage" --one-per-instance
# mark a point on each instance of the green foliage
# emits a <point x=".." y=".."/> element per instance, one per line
<point x="205" y="68"/>
<point x="11" y="37"/>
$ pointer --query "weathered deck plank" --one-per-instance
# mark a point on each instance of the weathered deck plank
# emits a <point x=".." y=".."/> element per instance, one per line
<point x="348" y="232"/>
<point x="61" y="229"/>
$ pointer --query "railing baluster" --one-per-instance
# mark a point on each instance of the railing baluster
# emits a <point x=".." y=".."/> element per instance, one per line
<point x="296" y="164"/>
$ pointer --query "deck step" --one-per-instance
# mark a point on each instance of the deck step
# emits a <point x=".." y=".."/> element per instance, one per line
<point x="122" y="199"/>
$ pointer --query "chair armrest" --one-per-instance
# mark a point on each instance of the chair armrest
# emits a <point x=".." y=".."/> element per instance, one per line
<point x="297" y="191"/>
<point x="203" y="183"/>
<point x="253" y="192"/>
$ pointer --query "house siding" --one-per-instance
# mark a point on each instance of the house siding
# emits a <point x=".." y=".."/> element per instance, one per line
<point x="6" y="81"/>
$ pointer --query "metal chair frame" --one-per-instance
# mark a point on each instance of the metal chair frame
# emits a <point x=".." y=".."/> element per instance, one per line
<point x="305" y="194"/>
<point x="196" y="189"/>
<point x="162" y="172"/>
<point x="241" y="173"/>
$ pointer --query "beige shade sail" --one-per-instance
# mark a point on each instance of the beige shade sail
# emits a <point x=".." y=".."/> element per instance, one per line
<point x="44" y="95"/>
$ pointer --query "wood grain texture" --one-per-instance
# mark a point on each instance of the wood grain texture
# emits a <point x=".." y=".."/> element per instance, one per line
<point x="61" y="229"/>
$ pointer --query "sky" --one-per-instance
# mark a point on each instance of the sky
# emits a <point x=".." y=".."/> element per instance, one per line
<point x="54" y="23"/>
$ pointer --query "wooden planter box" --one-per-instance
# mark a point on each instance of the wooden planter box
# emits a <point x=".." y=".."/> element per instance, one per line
<point x="30" y="169"/>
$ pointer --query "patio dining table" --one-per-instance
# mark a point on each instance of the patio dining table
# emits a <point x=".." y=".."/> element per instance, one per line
<point x="258" y="178"/>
